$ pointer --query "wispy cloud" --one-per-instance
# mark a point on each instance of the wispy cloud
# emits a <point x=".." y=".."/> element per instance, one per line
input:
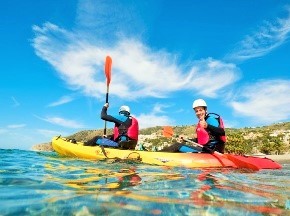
<point x="230" y="124"/>
<point x="61" y="101"/>
<point x="49" y="133"/>
<point x="62" y="122"/>
<point x="138" y="71"/>
<point x="151" y="120"/>
<point x="158" y="108"/>
<point x="15" y="102"/>
<point x="106" y="20"/>
<point x="268" y="37"/>
<point x="265" y="101"/>
<point x="209" y="76"/>
<point x="3" y="131"/>
<point x="155" y="118"/>
<point x="16" y="126"/>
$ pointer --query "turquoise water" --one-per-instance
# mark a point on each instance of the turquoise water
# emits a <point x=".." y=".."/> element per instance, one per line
<point x="43" y="183"/>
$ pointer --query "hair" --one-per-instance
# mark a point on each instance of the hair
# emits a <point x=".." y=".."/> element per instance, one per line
<point x="204" y="107"/>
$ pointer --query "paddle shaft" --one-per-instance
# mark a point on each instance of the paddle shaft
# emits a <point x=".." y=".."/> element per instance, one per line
<point x="107" y="101"/>
<point x="108" y="67"/>
<point x="201" y="146"/>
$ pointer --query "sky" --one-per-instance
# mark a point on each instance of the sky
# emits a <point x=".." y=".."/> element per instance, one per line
<point x="165" y="54"/>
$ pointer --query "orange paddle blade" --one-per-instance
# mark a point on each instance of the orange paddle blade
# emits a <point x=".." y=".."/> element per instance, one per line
<point x="108" y="67"/>
<point x="168" y="131"/>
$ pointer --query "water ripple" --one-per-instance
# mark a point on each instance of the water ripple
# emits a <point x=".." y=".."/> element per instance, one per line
<point x="43" y="183"/>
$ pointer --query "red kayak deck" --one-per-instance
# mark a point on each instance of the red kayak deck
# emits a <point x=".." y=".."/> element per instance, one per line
<point x="262" y="163"/>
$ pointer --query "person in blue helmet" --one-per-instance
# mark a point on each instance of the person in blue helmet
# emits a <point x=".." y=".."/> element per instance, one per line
<point x="126" y="130"/>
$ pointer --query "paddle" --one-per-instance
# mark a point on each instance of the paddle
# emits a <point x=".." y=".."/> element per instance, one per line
<point x="108" y="67"/>
<point x="240" y="162"/>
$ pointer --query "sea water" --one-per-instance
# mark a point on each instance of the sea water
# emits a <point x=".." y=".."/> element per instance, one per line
<point x="44" y="183"/>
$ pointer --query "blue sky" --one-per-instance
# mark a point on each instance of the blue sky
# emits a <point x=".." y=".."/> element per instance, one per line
<point x="233" y="54"/>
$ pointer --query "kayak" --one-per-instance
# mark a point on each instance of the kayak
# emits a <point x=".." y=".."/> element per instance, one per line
<point x="65" y="147"/>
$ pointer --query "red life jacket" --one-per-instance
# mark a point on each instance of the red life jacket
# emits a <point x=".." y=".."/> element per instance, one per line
<point x="131" y="131"/>
<point x="203" y="136"/>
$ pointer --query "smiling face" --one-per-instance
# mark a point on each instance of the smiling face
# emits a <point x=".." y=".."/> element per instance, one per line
<point x="200" y="112"/>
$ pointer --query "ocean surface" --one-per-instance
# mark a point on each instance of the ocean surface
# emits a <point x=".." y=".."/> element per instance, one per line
<point x="44" y="183"/>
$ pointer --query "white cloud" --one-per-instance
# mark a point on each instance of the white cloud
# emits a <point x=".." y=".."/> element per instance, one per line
<point x="15" y="102"/>
<point x="158" y="108"/>
<point x="210" y="76"/>
<point x="61" y="101"/>
<point x="154" y="118"/>
<point x="137" y="71"/>
<point x="151" y="120"/>
<point x="106" y="20"/>
<point x="270" y="36"/>
<point x="16" y="126"/>
<point x="265" y="101"/>
<point x="3" y="131"/>
<point x="62" y="122"/>
<point x="230" y="124"/>
<point x="50" y="133"/>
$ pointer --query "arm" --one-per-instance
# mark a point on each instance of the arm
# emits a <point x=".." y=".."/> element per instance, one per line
<point x="109" y="118"/>
<point x="212" y="125"/>
<point x="216" y="130"/>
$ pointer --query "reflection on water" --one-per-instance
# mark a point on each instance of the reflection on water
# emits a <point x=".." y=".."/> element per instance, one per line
<point x="34" y="183"/>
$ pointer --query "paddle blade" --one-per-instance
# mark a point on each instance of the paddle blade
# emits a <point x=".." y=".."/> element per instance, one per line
<point x="242" y="162"/>
<point x="108" y="67"/>
<point x="168" y="131"/>
<point x="262" y="163"/>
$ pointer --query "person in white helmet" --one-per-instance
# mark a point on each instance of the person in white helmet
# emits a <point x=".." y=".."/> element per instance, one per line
<point x="210" y="132"/>
<point x="126" y="129"/>
<point x="210" y="129"/>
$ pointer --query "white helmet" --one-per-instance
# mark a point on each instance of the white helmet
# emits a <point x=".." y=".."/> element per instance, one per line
<point x="124" y="109"/>
<point x="199" y="103"/>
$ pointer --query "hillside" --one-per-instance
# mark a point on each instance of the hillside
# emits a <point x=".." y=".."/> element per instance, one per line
<point x="272" y="139"/>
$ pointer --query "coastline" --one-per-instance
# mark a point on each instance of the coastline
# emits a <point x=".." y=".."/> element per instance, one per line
<point x="42" y="147"/>
<point x="277" y="158"/>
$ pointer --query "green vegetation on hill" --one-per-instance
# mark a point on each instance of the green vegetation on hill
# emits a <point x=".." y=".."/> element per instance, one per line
<point x="88" y="134"/>
<point x="272" y="139"/>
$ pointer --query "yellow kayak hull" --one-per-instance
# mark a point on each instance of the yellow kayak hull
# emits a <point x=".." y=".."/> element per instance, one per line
<point x="190" y="160"/>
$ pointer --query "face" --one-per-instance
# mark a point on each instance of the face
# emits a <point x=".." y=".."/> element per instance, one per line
<point x="200" y="112"/>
